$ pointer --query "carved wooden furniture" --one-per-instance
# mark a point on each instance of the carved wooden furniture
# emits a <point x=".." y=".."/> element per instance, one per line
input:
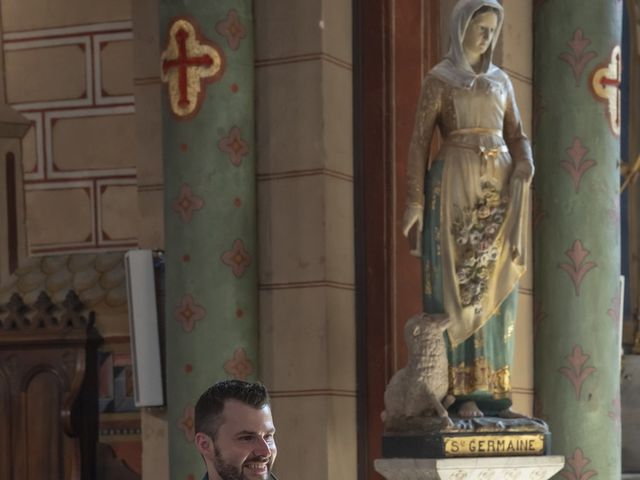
<point x="48" y="390"/>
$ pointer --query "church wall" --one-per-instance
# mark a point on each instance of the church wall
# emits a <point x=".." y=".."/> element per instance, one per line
<point x="68" y="70"/>
<point x="111" y="198"/>
<point x="515" y="57"/>
<point x="148" y="129"/>
<point x="150" y="195"/>
<point x="305" y="215"/>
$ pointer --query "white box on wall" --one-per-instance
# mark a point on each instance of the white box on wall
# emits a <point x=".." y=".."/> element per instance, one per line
<point x="143" y="324"/>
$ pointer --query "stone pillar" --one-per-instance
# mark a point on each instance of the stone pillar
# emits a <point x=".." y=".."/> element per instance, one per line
<point x="306" y="230"/>
<point x="210" y="220"/>
<point x="576" y="231"/>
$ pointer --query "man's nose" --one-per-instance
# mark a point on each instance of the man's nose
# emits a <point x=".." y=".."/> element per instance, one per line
<point x="262" y="448"/>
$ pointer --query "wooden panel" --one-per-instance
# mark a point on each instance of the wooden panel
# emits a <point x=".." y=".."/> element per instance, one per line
<point x="43" y="427"/>
<point x="48" y="407"/>
<point x="395" y="45"/>
<point x="5" y="431"/>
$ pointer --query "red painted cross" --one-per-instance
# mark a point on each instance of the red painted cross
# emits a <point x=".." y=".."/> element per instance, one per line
<point x="615" y="83"/>
<point x="612" y="82"/>
<point x="183" y="62"/>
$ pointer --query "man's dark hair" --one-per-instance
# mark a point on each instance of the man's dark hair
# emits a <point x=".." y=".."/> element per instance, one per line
<point x="208" y="411"/>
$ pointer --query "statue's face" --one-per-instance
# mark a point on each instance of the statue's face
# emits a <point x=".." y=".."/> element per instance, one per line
<point x="479" y="34"/>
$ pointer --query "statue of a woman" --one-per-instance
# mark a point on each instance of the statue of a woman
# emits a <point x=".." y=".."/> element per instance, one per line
<point x="470" y="206"/>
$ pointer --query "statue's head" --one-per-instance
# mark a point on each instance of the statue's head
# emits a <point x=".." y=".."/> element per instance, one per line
<point x="475" y="27"/>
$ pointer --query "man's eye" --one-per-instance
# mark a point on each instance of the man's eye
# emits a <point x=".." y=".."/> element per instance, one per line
<point x="246" y="438"/>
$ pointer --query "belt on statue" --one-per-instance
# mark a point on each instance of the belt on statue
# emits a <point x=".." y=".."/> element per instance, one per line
<point x="486" y="154"/>
<point x="477" y="131"/>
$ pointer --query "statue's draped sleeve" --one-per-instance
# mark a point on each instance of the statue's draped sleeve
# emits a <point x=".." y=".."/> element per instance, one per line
<point x="514" y="136"/>
<point x="520" y="151"/>
<point x="427" y="114"/>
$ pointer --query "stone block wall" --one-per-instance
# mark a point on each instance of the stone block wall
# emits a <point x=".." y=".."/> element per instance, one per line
<point x="305" y="218"/>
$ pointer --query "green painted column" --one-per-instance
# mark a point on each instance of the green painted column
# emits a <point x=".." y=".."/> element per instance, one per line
<point x="210" y="207"/>
<point x="576" y="231"/>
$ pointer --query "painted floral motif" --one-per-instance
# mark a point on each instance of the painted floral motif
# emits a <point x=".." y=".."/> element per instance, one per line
<point x="578" y="58"/>
<point x="239" y="366"/>
<point x="477" y="244"/>
<point x="187" y="203"/>
<point x="234" y="146"/>
<point x="578" y="165"/>
<point x="237" y="258"/>
<point x="188" y="313"/>
<point x="576" y="467"/>
<point x="232" y="29"/>
<point x="186" y="423"/>
<point x="577" y="373"/>
<point x="578" y="268"/>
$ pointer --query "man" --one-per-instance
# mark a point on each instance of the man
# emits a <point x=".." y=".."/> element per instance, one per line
<point x="235" y="432"/>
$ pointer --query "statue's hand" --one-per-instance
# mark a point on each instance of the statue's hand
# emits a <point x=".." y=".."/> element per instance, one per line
<point x="523" y="170"/>
<point x="412" y="214"/>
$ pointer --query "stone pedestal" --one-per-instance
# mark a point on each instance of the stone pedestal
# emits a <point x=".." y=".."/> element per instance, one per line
<point x="508" y="468"/>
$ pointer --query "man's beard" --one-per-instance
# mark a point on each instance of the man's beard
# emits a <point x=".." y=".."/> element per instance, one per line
<point x="230" y="472"/>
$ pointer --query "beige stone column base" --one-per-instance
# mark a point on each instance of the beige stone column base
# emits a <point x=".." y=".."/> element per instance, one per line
<point x="487" y="468"/>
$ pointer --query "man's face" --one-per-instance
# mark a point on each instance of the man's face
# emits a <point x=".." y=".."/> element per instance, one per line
<point x="244" y="448"/>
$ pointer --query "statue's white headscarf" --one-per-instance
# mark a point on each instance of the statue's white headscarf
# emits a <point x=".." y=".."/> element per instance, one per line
<point x="455" y="68"/>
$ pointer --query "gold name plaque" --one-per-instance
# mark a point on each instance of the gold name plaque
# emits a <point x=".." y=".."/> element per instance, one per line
<point x="493" y="445"/>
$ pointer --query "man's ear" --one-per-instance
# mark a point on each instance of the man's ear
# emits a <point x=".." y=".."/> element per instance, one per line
<point x="204" y="444"/>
